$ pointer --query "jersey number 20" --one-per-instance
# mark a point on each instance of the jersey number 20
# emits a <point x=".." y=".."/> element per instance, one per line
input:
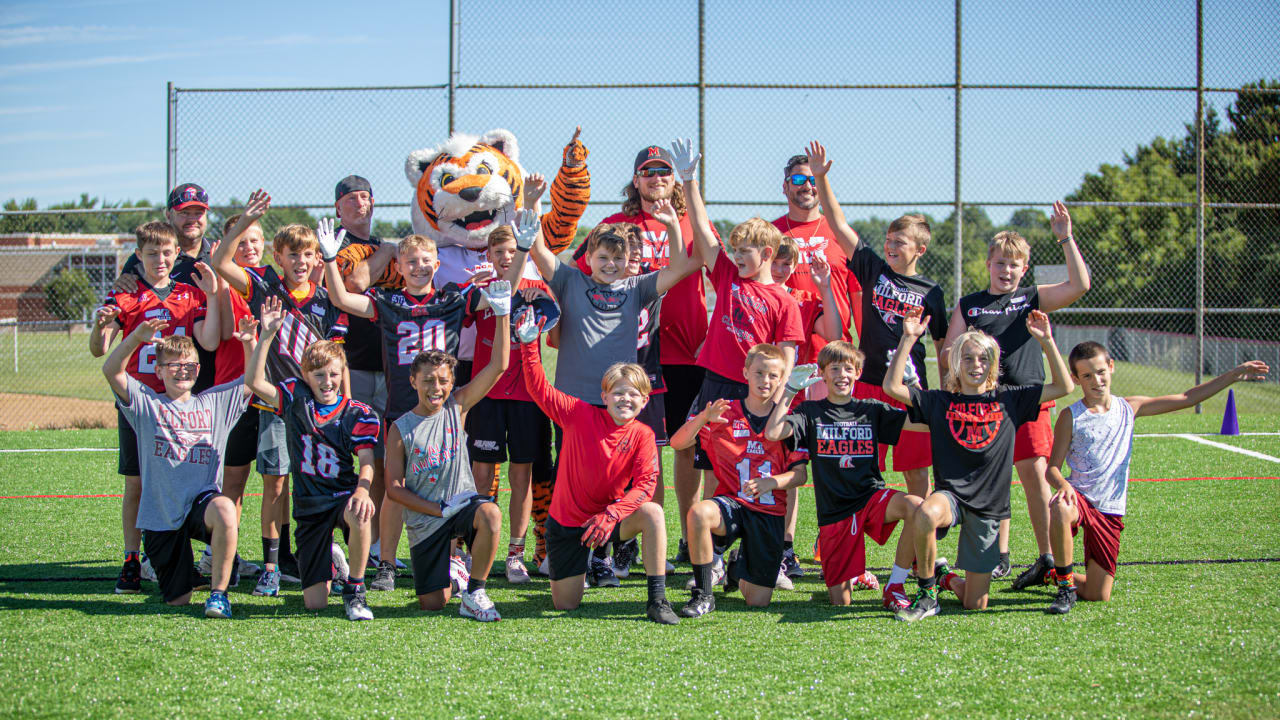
<point x="415" y="338"/>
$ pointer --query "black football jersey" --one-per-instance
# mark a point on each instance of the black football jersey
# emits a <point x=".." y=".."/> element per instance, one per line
<point x="305" y="321"/>
<point x="321" y="446"/>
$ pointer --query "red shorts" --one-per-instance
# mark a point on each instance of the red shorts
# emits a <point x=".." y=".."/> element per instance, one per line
<point x="1035" y="439"/>
<point x="1101" y="534"/>
<point x="844" y="552"/>
<point x="913" y="450"/>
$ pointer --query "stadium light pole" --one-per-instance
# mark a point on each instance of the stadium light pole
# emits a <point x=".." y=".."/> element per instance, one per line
<point x="958" y="274"/>
<point x="1200" y="209"/>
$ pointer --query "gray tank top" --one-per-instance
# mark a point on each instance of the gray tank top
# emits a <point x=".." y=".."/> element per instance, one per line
<point x="436" y="465"/>
<point x="1101" y="446"/>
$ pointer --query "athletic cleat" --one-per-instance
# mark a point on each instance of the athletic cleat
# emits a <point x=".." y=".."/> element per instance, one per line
<point x="130" y="580"/>
<point x="816" y="556"/>
<point x="866" y="581"/>
<point x="717" y="574"/>
<point x="924" y="605"/>
<point x="517" y="573"/>
<point x="1065" y="600"/>
<point x="205" y="564"/>
<point x="895" y="597"/>
<point x="477" y="606"/>
<point x="624" y="556"/>
<point x="466" y="559"/>
<point x="357" y="608"/>
<point x="288" y="567"/>
<point x="338" y="561"/>
<point x="670" y="567"/>
<point x="783" y="581"/>
<point x="1037" y="574"/>
<point x="661" y="612"/>
<point x="148" y="573"/>
<point x="268" y="584"/>
<point x="700" y="603"/>
<point x="1001" y="570"/>
<point x="682" y="552"/>
<point x="385" y="579"/>
<point x="217" y="606"/>
<point x="942" y="571"/>
<point x="458" y="574"/>
<point x="601" y="573"/>
<point x="791" y="566"/>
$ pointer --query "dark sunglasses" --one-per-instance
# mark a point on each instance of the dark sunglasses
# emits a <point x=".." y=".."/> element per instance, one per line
<point x="654" y="172"/>
<point x="800" y="179"/>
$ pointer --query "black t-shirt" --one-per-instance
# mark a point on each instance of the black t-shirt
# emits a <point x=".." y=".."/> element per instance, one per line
<point x="972" y="440"/>
<point x="364" y="342"/>
<point x="886" y="298"/>
<point x="648" y="342"/>
<point x="321" y="446"/>
<point x="841" y="440"/>
<point x="1004" y="317"/>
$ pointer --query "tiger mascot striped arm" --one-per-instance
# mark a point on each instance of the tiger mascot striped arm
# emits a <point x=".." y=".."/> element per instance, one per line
<point x="570" y="192"/>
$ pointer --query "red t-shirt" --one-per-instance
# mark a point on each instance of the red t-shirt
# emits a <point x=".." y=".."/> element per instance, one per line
<point x="739" y="452"/>
<point x="229" y="360"/>
<point x="816" y="236"/>
<point x="810" y="309"/>
<point x="182" y="308"/>
<point x="747" y="313"/>
<point x="602" y="464"/>
<point x="511" y="386"/>
<point x="682" y="326"/>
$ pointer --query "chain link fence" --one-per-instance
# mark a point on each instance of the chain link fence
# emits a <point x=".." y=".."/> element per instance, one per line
<point x="983" y="111"/>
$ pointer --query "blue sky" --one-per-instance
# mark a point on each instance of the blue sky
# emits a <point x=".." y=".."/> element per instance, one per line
<point x="82" y="87"/>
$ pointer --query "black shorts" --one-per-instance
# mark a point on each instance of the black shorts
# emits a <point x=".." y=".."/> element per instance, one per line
<point x="683" y="383"/>
<point x="242" y="441"/>
<point x="430" y="557"/>
<point x="127" y="461"/>
<point x="170" y="550"/>
<point x="760" y="554"/>
<point x="566" y="554"/>
<point x="462" y="373"/>
<point x="654" y="415"/>
<point x="312" y="538"/>
<point x="502" y="430"/>
<point x="714" y="387"/>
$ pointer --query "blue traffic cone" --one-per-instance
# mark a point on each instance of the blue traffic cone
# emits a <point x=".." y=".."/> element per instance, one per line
<point x="1230" y="423"/>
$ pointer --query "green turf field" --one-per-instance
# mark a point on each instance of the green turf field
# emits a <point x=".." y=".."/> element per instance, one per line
<point x="1187" y="640"/>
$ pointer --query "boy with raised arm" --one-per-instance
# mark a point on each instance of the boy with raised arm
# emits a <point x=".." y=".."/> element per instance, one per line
<point x="1094" y="436"/>
<point x="1001" y="311"/>
<point x="972" y="424"/>
<point x="429" y="474"/>
<point x="181" y="466"/>
<point x="892" y="289"/>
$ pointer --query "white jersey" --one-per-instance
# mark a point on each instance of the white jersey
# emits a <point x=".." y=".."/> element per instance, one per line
<point x="1101" y="447"/>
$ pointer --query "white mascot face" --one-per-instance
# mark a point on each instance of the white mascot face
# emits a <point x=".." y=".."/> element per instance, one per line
<point x="465" y="188"/>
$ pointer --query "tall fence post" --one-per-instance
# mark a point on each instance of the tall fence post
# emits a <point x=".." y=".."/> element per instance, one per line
<point x="702" y="94"/>
<point x="171" y="138"/>
<point x="1200" y="200"/>
<point x="455" y="23"/>
<point x="959" y="204"/>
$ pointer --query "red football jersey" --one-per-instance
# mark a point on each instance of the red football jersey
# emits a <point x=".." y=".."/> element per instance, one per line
<point x="511" y="385"/>
<point x="814" y="237"/>
<point x="810" y="309"/>
<point x="229" y="360"/>
<point x="747" y="313"/>
<point x="182" y="308"/>
<point x="739" y="452"/>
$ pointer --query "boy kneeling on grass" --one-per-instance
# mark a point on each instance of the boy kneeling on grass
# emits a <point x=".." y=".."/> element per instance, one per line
<point x="182" y="440"/>
<point x="1095" y="437"/>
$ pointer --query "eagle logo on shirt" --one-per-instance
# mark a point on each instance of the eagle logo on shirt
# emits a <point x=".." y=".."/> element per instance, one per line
<point x="974" y="425"/>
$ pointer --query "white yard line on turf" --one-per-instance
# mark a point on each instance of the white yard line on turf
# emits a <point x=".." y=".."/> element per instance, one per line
<point x="53" y="450"/>
<point x="1178" y="435"/>
<point x="1224" y="446"/>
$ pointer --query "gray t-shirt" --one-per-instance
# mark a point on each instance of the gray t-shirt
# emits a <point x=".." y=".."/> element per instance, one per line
<point x="180" y="447"/>
<point x="436" y="465"/>
<point x="600" y="326"/>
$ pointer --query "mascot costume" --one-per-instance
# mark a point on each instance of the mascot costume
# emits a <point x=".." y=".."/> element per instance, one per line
<point x="463" y="189"/>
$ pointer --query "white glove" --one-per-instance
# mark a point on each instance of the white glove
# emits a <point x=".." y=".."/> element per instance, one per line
<point x="802" y="376"/>
<point x="527" y="329"/>
<point x="499" y="294"/>
<point x="685" y="159"/>
<point x="454" y="505"/>
<point x="909" y="375"/>
<point x="329" y="243"/>
<point x="526" y="229"/>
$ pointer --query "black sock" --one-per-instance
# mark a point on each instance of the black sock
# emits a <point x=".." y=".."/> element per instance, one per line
<point x="601" y="552"/>
<point x="717" y="548"/>
<point x="702" y="577"/>
<point x="285" y="536"/>
<point x="658" y="586"/>
<point x="926" y="583"/>
<point x="353" y="585"/>
<point x="1004" y="558"/>
<point x="271" y="550"/>
<point x="475" y="584"/>
<point x="788" y="546"/>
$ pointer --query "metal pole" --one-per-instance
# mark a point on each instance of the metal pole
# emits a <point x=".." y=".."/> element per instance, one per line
<point x="15" y="346"/>
<point x="1200" y="210"/>
<point x="702" y="94"/>
<point x="171" y="139"/>
<point x="455" y="23"/>
<point x="959" y="204"/>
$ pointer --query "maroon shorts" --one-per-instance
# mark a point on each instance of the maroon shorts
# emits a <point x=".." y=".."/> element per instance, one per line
<point x="1101" y="534"/>
<point x="913" y="450"/>
<point x="844" y="551"/>
<point x="1035" y="439"/>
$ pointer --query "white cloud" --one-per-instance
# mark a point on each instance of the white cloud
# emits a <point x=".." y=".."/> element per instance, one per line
<point x="23" y="68"/>
<point x="69" y="34"/>
<point x="79" y="171"/>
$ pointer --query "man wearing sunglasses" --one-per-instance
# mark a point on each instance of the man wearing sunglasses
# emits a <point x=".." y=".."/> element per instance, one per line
<point x="187" y="211"/>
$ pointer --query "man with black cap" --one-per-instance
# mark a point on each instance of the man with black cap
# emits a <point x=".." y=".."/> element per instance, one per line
<point x="187" y="211"/>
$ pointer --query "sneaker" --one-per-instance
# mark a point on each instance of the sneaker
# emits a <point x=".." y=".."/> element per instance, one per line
<point x="661" y="612"/>
<point x="338" y="560"/>
<point x="924" y="605"/>
<point x="717" y="574"/>
<point x="148" y="573"/>
<point x="130" y="580"/>
<point x="1065" y="600"/>
<point x="942" y="571"/>
<point x="670" y="567"/>
<point x="217" y="606"/>
<point x="288" y="567"/>
<point x="791" y="565"/>
<point x="517" y="573"/>
<point x="1001" y="570"/>
<point x="1037" y="574"/>
<point x="783" y="581"/>
<point x="466" y="559"/>
<point x="244" y="568"/>
<point x="459" y="576"/>
<point x="624" y="556"/>
<point x="601" y="573"/>
<point x="385" y="579"/>
<point x="817" y="557"/>
<point x="866" y="581"/>
<point x="205" y="564"/>
<point x="699" y="604"/>
<point x="477" y="606"/>
<point x="682" y="552"/>
<point x="357" y="608"/>
<point x="895" y="597"/>
<point x="268" y="584"/>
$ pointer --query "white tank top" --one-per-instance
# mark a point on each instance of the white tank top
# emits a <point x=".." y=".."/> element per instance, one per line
<point x="1101" y="446"/>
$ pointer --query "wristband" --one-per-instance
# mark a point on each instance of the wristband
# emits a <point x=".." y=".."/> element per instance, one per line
<point x="1066" y="240"/>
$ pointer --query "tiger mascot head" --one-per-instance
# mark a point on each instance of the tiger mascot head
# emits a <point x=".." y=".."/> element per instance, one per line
<point x="465" y="187"/>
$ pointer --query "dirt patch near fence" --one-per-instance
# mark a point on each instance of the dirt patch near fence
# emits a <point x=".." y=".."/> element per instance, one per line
<point x="43" y="412"/>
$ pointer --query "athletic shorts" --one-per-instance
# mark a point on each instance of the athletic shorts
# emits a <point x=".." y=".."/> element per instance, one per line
<point x="312" y="540"/>
<point x="242" y="441"/>
<point x="273" y="445"/>
<point x="170" y="550"/>
<point x="430" y="557"/>
<point x="683" y="383"/>
<point x="760" y="553"/>
<point x="978" y="550"/>
<point x="843" y="543"/>
<point x="499" y="431"/>
<point x="1101" y="534"/>
<point x="1035" y="439"/>
<point x="566" y="554"/>
<point x="462" y="372"/>
<point x="913" y="450"/>
<point x="127" y="459"/>
<point x="714" y="387"/>
<point x="370" y="388"/>
<point x="654" y="415"/>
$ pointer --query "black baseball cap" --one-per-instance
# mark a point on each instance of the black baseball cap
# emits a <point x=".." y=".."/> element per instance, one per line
<point x="653" y="153"/>
<point x="350" y="184"/>
<point x="188" y="195"/>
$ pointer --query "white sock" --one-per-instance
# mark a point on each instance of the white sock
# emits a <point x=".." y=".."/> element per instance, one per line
<point x="898" y="575"/>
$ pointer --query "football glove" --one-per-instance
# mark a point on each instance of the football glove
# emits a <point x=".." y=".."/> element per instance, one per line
<point x="454" y="505"/>
<point x="526" y="229"/>
<point x="599" y="528"/>
<point x="685" y="159"/>
<point x="802" y="376"/>
<point x="498" y="293"/>
<point x="528" y="329"/>
<point x="909" y="375"/>
<point x="329" y="243"/>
